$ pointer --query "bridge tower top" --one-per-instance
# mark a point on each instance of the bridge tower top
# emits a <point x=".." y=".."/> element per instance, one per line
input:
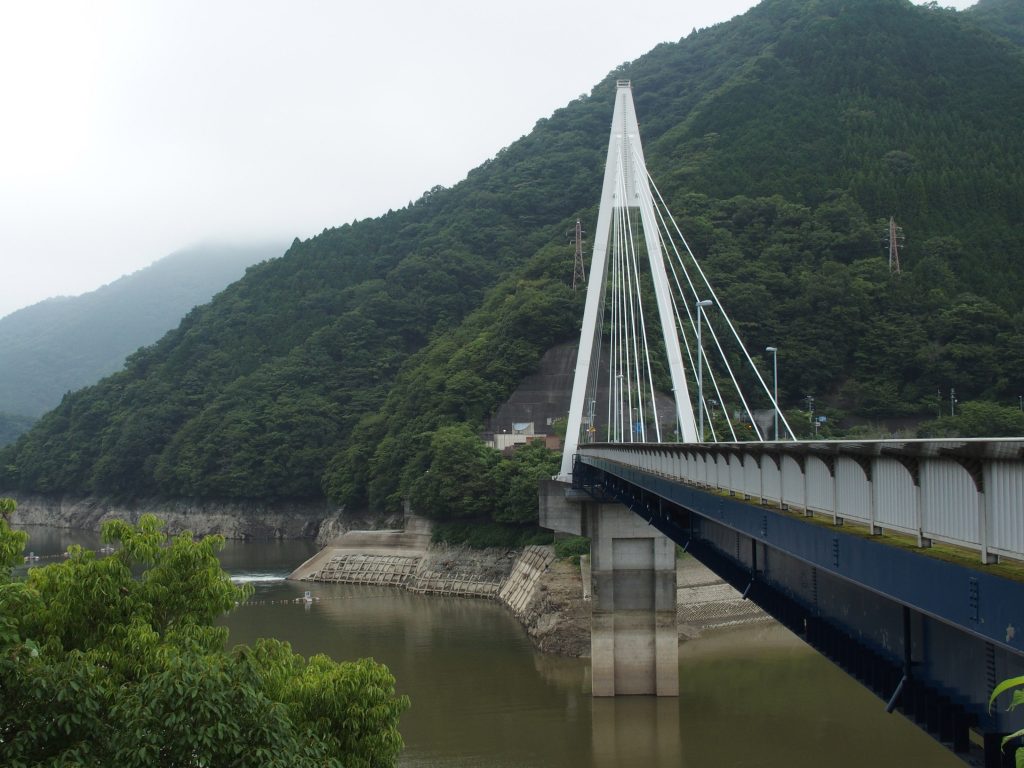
<point x="626" y="186"/>
<point x="639" y="250"/>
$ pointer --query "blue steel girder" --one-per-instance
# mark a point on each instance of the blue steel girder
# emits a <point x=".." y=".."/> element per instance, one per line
<point x="942" y="694"/>
<point x="981" y="604"/>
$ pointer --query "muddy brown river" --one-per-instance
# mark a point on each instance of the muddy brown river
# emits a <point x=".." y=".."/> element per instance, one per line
<point x="481" y="696"/>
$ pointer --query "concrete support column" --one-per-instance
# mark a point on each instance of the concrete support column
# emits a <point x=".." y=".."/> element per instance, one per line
<point x="634" y="639"/>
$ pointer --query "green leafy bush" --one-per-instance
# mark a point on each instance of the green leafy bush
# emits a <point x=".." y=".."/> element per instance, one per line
<point x="482" y="535"/>
<point x="1016" y="700"/>
<point x="572" y="547"/>
<point x="115" y="661"/>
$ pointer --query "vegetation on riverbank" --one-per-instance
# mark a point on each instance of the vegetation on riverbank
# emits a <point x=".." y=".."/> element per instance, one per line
<point x="115" y="661"/>
<point x="571" y="547"/>
<point x="484" y="534"/>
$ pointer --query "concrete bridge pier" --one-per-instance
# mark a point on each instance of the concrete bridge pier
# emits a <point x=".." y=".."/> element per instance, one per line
<point x="633" y="635"/>
<point x="634" y="643"/>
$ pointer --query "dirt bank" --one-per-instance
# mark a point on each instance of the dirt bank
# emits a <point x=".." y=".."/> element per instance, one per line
<point x="558" y="619"/>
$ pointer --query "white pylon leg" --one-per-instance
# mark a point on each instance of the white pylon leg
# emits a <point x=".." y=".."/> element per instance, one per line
<point x="625" y="169"/>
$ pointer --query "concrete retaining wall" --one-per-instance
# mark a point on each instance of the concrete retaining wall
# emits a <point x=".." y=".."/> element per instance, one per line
<point x="442" y="573"/>
<point x="518" y="590"/>
<point x="376" y="570"/>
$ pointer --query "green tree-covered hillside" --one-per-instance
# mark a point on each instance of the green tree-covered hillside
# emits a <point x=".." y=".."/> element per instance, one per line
<point x="783" y="140"/>
<point x="1000" y="17"/>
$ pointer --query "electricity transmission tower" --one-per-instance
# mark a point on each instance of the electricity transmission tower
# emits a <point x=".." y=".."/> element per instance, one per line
<point x="579" y="271"/>
<point x="894" y="241"/>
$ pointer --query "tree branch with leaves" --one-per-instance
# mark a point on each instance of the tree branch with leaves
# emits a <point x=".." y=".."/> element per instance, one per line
<point x="115" y="661"/>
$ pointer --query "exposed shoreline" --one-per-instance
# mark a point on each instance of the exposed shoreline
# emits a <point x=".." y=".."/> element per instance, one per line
<point x="240" y="520"/>
<point x="546" y="595"/>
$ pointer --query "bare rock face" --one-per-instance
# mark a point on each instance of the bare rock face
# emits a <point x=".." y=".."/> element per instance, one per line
<point x="233" y="520"/>
<point x="331" y="528"/>
<point x="338" y="522"/>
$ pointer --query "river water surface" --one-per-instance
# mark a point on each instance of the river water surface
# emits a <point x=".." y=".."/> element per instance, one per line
<point x="481" y="696"/>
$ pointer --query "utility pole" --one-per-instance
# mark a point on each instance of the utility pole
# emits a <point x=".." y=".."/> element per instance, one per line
<point x="810" y="409"/>
<point x="579" y="271"/>
<point x="952" y="401"/>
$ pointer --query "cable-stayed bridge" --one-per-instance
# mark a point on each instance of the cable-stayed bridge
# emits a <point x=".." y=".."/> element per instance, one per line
<point x="903" y="561"/>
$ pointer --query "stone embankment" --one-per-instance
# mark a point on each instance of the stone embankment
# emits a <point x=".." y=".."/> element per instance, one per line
<point x="405" y="559"/>
<point x="543" y="594"/>
<point x="705" y="603"/>
<point x="451" y="571"/>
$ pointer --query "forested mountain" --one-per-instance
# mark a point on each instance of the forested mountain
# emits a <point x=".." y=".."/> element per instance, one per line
<point x="65" y="343"/>
<point x="361" y="363"/>
<point x="11" y="426"/>
<point x="1001" y="17"/>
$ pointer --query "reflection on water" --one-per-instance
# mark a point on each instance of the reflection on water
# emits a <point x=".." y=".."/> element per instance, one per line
<point x="256" y="578"/>
<point x="482" y="697"/>
<point x="635" y="730"/>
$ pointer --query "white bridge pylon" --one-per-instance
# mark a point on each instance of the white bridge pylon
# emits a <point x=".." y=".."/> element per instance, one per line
<point x="618" y="357"/>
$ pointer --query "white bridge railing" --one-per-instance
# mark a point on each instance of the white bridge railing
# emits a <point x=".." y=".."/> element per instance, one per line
<point x="966" y="492"/>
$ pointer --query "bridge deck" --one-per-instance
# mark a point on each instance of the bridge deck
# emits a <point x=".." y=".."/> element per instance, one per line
<point x="979" y="600"/>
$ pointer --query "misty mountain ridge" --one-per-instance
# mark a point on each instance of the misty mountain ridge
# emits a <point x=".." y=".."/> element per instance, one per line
<point x="362" y="363"/>
<point x="64" y="343"/>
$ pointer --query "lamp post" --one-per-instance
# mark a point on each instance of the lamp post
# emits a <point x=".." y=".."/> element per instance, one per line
<point x="700" y="369"/>
<point x="617" y="427"/>
<point x="775" y="386"/>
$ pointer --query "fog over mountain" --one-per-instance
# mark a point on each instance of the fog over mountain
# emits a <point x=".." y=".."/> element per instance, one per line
<point x="66" y="343"/>
<point x="137" y="128"/>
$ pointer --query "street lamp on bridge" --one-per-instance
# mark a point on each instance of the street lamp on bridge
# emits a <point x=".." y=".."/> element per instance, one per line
<point x="775" y="386"/>
<point x="700" y="369"/>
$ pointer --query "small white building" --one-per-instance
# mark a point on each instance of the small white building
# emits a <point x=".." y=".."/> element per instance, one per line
<point x="521" y="432"/>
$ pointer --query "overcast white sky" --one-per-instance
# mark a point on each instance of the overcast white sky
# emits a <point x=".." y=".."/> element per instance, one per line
<point x="131" y="129"/>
